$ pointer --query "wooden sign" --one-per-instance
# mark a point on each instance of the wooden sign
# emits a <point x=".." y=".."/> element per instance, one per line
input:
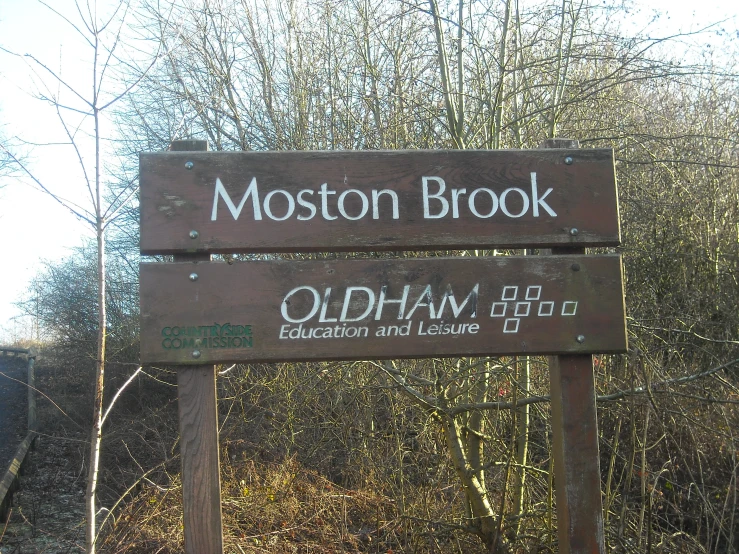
<point x="232" y="202"/>
<point x="286" y="310"/>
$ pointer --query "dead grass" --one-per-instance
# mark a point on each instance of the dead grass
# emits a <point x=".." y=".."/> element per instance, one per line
<point x="275" y="507"/>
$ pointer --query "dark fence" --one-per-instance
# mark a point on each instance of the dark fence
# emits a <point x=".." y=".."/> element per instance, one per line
<point x="9" y="484"/>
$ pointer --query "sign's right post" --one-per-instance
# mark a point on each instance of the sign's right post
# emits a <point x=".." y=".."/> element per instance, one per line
<point x="575" y="440"/>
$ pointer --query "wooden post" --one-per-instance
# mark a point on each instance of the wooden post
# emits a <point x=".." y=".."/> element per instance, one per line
<point x="198" y="412"/>
<point x="575" y="438"/>
<point x="31" y="392"/>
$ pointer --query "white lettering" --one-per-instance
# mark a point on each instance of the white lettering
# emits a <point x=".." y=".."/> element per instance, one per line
<point x="347" y="303"/>
<point x="363" y="198"/>
<point x="429" y="302"/>
<point x="324" y="307"/>
<point x="383" y="300"/>
<point x="336" y="332"/>
<point x="235" y="212"/>
<point x="456" y="193"/>
<point x="306" y="204"/>
<point x="524" y="198"/>
<point x="448" y="329"/>
<point x="456" y="310"/>
<point x="473" y="207"/>
<point x="313" y="310"/>
<point x="438" y="196"/>
<point x="323" y="193"/>
<point x="376" y="201"/>
<point x="290" y="204"/>
<point x="537" y="201"/>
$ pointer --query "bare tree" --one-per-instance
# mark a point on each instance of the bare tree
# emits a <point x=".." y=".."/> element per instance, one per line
<point x="80" y="110"/>
<point x="316" y="74"/>
<point x="8" y="152"/>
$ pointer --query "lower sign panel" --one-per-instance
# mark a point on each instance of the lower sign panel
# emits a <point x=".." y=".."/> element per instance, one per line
<point x="286" y="310"/>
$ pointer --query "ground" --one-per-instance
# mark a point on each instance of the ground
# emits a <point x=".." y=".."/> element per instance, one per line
<point x="48" y="510"/>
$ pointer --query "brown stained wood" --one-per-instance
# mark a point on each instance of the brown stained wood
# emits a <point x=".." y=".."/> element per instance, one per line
<point x="188" y="145"/>
<point x="576" y="456"/>
<point x="347" y="200"/>
<point x="575" y="438"/>
<point x="283" y="310"/>
<point x="199" y="450"/>
<point x="201" y="481"/>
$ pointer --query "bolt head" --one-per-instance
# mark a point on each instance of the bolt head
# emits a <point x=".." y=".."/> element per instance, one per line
<point x="568" y="160"/>
<point x="194" y="234"/>
<point x="196" y="354"/>
<point x="580" y="339"/>
<point x="575" y="267"/>
<point x="193" y="277"/>
<point x="189" y="165"/>
<point x="574" y="232"/>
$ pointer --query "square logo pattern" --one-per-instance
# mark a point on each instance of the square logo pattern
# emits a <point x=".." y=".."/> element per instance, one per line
<point x="517" y="303"/>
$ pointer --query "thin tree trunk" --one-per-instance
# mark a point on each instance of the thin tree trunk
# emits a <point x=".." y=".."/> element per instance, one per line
<point x="97" y="431"/>
<point x="454" y="117"/>
<point x="96" y="436"/>
<point x="498" y="105"/>
<point x="483" y="522"/>
<point x="522" y="440"/>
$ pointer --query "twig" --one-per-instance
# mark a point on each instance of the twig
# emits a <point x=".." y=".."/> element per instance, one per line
<point x="118" y="393"/>
<point x="42" y="394"/>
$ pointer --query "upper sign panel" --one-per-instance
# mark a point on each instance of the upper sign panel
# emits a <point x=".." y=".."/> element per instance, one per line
<point x="376" y="200"/>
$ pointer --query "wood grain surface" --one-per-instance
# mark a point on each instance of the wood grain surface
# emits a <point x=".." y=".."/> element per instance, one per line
<point x="198" y="418"/>
<point x="576" y="455"/>
<point x="286" y="310"/>
<point x="575" y="439"/>
<point x="201" y="480"/>
<point x="376" y="200"/>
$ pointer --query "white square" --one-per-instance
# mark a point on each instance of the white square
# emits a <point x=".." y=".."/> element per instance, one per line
<point x="508" y="291"/>
<point x="569" y="307"/>
<point x="499" y="309"/>
<point x="522" y="309"/>
<point x="511" y="325"/>
<point x="533" y="292"/>
<point x="546" y="308"/>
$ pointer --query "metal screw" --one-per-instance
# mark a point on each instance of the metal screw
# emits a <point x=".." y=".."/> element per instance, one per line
<point x="568" y="160"/>
<point x="194" y="234"/>
<point x="574" y="231"/>
<point x="196" y="353"/>
<point x="575" y="267"/>
<point x="193" y="277"/>
<point x="580" y="339"/>
<point x="189" y="165"/>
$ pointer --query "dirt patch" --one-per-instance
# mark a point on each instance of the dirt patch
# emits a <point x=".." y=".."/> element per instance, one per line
<point x="48" y="511"/>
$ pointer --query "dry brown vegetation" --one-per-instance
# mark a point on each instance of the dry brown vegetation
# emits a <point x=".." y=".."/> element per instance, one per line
<point x="342" y="457"/>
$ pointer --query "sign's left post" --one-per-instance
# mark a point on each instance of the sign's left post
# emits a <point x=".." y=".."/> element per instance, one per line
<point x="198" y="412"/>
